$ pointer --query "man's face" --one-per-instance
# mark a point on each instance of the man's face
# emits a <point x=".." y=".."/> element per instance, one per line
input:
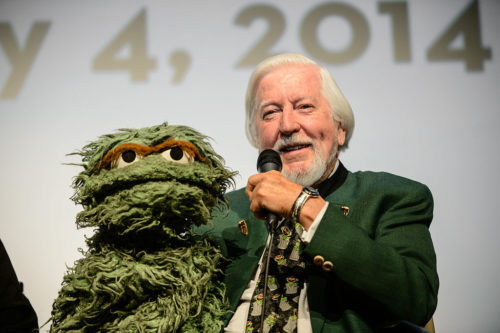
<point x="294" y="118"/>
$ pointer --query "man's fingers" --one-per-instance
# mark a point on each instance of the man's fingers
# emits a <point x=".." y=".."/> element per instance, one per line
<point x="271" y="191"/>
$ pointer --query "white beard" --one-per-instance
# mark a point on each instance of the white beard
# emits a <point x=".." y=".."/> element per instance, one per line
<point x="318" y="168"/>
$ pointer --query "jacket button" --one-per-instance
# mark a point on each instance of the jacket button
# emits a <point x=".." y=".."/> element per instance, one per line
<point x="327" y="266"/>
<point x="318" y="260"/>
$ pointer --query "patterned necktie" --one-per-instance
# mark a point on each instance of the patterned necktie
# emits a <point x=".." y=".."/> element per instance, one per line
<point x="284" y="283"/>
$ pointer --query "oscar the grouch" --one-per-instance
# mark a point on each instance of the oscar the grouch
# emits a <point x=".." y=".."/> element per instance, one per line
<point x="141" y="191"/>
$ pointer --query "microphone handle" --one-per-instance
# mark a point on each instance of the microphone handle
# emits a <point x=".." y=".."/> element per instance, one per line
<point x="272" y="161"/>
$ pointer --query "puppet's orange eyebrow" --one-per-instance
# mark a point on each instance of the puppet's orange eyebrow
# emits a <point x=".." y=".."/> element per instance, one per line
<point x="143" y="150"/>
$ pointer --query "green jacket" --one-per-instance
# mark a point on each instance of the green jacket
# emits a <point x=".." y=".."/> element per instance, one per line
<point x="375" y="232"/>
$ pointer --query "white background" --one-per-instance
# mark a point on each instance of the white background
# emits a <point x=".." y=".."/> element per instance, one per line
<point x="435" y="122"/>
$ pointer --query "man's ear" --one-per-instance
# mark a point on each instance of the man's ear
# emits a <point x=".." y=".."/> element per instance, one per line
<point x="340" y="136"/>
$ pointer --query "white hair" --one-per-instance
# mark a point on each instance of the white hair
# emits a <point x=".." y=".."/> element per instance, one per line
<point x="339" y="107"/>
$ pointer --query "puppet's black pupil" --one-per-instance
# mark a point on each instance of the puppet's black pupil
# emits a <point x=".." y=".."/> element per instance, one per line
<point x="128" y="156"/>
<point x="176" y="153"/>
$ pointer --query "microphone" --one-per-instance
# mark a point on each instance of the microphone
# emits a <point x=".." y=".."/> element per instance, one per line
<point x="269" y="160"/>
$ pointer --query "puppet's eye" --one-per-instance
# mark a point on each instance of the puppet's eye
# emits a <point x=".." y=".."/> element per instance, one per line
<point x="176" y="154"/>
<point x="126" y="158"/>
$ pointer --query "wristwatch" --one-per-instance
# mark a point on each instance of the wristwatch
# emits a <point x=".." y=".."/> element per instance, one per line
<point x="304" y="195"/>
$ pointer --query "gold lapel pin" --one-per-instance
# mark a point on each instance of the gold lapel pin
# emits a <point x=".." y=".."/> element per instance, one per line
<point x="243" y="227"/>
<point x="345" y="210"/>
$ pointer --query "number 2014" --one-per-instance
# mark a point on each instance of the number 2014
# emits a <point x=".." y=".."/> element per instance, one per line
<point x="466" y="24"/>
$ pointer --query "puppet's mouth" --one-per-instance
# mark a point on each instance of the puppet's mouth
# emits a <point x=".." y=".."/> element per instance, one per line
<point x="148" y="191"/>
<point x="148" y="182"/>
<point x="150" y="205"/>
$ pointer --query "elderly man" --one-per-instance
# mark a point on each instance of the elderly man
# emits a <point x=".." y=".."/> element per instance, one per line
<point x="352" y="251"/>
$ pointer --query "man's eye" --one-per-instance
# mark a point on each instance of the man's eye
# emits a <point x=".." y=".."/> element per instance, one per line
<point x="126" y="158"/>
<point x="176" y="154"/>
<point x="268" y="114"/>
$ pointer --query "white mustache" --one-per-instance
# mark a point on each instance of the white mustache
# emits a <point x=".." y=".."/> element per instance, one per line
<point x="292" y="140"/>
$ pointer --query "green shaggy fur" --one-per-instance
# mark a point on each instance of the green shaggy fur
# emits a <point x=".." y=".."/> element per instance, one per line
<point x="142" y="271"/>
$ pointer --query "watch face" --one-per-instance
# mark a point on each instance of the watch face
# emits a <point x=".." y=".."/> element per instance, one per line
<point x="311" y="191"/>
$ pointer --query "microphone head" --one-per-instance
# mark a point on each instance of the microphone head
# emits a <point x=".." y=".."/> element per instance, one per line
<point x="269" y="160"/>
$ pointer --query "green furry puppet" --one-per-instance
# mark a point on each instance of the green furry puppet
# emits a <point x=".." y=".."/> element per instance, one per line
<point x="141" y="191"/>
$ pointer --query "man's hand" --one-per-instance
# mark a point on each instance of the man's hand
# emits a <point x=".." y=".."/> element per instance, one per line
<point x="273" y="192"/>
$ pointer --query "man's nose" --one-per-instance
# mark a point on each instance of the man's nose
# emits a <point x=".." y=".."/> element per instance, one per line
<point x="288" y="122"/>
